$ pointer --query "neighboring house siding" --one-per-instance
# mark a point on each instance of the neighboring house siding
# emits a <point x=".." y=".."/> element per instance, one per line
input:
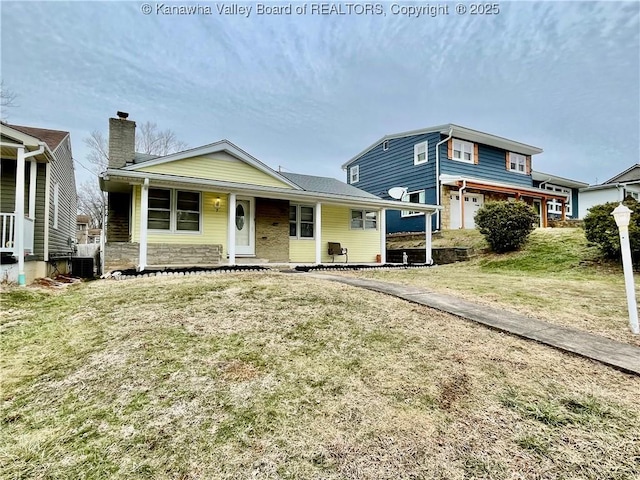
<point x="216" y="167"/>
<point x="491" y="166"/>
<point x="590" y="198"/>
<point x="62" y="173"/>
<point x="381" y="170"/>
<point x="38" y="234"/>
<point x="363" y="245"/>
<point x="8" y="196"/>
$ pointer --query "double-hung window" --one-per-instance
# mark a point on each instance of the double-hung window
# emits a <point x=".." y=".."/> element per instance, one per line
<point x="412" y="197"/>
<point x="463" y="151"/>
<point x="354" y="174"/>
<point x="364" y="220"/>
<point x="517" y="163"/>
<point x="173" y="210"/>
<point x="301" y="221"/>
<point x="420" y="153"/>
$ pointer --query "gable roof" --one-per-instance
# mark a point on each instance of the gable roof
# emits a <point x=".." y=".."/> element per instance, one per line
<point x="216" y="147"/>
<point x="457" y="131"/>
<point x="53" y="138"/>
<point x="631" y="174"/>
<point x="311" y="183"/>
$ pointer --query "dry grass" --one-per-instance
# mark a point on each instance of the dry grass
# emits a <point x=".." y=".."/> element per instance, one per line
<point x="557" y="277"/>
<point x="276" y="376"/>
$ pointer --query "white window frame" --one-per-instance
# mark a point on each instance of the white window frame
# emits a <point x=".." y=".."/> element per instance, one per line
<point x="354" y="174"/>
<point x="554" y="206"/>
<point x="421" y="148"/>
<point x="518" y="160"/>
<point x="407" y="198"/>
<point x="465" y="147"/>
<point x="173" y="213"/>
<point x="298" y="221"/>
<point x="385" y="145"/>
<point x="363" y="219"/>
<point x="56" y="204"/>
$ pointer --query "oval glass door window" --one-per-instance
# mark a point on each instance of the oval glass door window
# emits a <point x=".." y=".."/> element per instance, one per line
<point x="240" y="217"/>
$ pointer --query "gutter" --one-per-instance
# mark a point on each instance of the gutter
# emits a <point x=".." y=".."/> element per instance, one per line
<point x="438" y="220"/>
<point x="461" y="193"/>
<point x="267" y="192"/>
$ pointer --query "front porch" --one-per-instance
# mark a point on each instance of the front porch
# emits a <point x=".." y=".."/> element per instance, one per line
<point x="23" y="204"/>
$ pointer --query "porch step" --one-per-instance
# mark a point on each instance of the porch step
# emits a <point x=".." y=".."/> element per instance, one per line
<point x="250" y="260"/>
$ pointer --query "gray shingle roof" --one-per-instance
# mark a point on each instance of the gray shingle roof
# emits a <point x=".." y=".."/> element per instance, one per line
<point x="328" y="185"/>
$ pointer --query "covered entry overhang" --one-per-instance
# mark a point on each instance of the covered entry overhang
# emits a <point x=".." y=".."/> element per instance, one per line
<point x="117" y="180"/>
<point x="519" y="193"/>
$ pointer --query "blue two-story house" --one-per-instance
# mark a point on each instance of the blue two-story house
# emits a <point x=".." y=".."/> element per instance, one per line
<point x="452" y="166"/>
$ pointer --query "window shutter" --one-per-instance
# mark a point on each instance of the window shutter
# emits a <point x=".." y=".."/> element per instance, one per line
<point x="528" y="160"/>
<point x="506" y="156"/>
<point x="450" y="148"/>
<point x="476" y="158"/>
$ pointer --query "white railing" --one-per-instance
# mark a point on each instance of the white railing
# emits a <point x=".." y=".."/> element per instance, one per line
<point x="7" y="229"/>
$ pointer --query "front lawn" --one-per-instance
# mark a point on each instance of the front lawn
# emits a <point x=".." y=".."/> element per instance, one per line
<point x="282" y="376"/>
<point x="556" y="277"/>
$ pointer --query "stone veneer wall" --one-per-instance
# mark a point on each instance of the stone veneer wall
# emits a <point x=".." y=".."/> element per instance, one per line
<point x="272" y="230"/>
<point x="124" y="255"/>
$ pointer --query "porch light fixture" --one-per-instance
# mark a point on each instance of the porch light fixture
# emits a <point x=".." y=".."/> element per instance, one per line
<point x="216" y="203"/>
<point x="622" y="215"/>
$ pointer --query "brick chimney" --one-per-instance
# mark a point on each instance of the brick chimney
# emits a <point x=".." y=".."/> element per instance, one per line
<point x="122" y="140"/>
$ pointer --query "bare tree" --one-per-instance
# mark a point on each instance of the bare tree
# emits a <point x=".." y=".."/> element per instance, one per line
<point x="149" y="139"/>
<point x="7" y="100"/>
<point x="90" y="202"/>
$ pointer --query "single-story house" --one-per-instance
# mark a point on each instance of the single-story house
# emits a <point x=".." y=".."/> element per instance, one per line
<point x="218" y="205"/>
<point x="624" y="184"/>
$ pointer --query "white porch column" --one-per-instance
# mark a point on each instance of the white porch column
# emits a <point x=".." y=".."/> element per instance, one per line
<point x="144" y="215"/>
<point x="33" y="171"/>
<point x="18" y="229"/>
<point x="231" y="230"/>
<point x="382" y="225"/>
<point x="317" y="225"/>
<point x="427" y="233"/>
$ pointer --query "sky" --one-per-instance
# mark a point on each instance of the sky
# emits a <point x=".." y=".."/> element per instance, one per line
<point x="308" y="91"/>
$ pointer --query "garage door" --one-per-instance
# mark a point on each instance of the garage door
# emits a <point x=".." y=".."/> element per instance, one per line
<point x="472" y="203"/>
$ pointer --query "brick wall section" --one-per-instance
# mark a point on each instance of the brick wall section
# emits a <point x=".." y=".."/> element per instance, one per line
<point x="122" y="142"/>
<point x="123" y="255"/>
<point x="272" y="230"/>
<point x="445" y="214"/>
<point x="118" y="219"/>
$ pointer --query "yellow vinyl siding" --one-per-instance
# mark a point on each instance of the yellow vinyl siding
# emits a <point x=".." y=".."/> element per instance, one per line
<point x="303" y="251"/>
<point x="214" y="224"/>
<point x="363" y="245"/>
<point x="216" y="168"/>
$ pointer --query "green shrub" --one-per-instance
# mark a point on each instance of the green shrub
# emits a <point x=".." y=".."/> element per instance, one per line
<point x="600" y="228"/>
<point x="506" y="225"/>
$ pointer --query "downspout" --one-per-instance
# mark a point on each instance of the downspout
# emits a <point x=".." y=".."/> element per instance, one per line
<point x="438" y="225"/>
<point x="47" y="206"/>
<point x="461" y="193"/>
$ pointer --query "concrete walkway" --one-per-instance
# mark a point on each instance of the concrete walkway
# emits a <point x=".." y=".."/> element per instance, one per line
<point x="610" y="352"/>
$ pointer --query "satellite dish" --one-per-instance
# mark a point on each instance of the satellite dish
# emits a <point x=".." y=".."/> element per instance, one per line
<point x="397" y="192"/>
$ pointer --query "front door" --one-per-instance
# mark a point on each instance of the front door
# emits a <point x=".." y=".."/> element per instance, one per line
<point x="245" y="229"/>
<point x="537" y="207"/>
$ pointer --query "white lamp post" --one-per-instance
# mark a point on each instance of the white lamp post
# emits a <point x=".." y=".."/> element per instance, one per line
<point x="622" y="214"/>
